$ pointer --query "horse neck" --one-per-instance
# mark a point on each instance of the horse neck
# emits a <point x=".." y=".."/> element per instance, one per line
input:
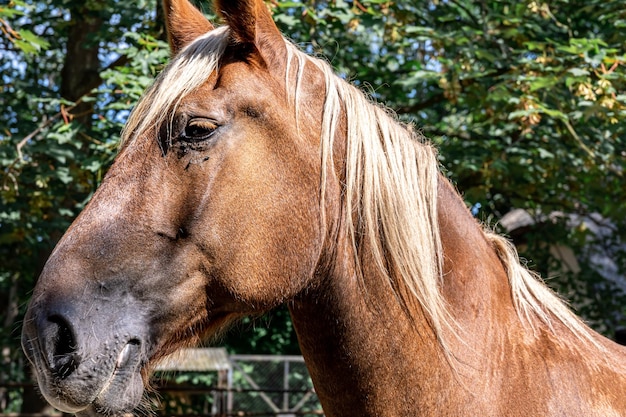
<point x="476" y="286"/>
<point x="363" y="355"/>
<point x="367" y="357"/>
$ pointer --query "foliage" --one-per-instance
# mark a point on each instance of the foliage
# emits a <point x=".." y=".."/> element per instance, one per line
<point x="526" y="101"/>
<point x="24" y="39"/>
<point x="270" y="334"/>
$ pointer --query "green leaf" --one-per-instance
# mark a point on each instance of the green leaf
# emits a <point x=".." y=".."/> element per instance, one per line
<point x="578" y="72"/>
<point x="545" y="154"/>
<point x="33" y="39"/>
<point x="26" y="47"/>
<point x="64" y="175"/>
<point x="543" y="82"/>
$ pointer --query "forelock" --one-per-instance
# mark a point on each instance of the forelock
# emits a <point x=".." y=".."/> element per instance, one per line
<point x="187" y="71"/>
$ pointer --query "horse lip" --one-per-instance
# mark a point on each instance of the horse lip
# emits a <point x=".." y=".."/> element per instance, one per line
<point x="42" y="371"/>
<point x="124" y="358"/>
<point x="120" y="361"/>
<point x="89" y="411"/>
<point x="48" y="386"/>
<point x="128" y="356"/>
<point x="30" y="351"/>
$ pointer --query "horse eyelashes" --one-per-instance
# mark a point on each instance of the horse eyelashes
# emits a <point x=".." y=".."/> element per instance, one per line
<point x="186" y="136"/>
<point x="199" y="130"/>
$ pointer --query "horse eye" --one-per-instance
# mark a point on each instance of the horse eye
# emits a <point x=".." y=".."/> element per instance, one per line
<point x="199" y="129"/>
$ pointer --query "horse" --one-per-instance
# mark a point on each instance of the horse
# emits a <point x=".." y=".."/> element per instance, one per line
<point x="250" y="176"/>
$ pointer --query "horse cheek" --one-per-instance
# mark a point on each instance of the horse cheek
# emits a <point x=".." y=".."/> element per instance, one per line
<point x="271" y="230"/>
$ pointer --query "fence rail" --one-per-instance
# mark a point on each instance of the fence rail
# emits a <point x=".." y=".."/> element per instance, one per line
<point x="251" y="386"/>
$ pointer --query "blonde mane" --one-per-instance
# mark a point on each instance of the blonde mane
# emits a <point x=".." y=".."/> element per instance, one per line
<point x="390" y="193"/>
<point x="391" y="180"/>
<point x="391" y="202"/>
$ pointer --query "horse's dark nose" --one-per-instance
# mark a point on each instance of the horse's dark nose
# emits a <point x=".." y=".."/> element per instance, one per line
<point x="59" y="345"/>
<point x="82" y="358"/>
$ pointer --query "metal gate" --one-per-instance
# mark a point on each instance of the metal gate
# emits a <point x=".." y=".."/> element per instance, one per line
<point x="269" y="385"/>
<point x="213" y="383"/>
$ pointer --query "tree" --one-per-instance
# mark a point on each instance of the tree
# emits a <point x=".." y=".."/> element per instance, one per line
<point x="526" y="101"/>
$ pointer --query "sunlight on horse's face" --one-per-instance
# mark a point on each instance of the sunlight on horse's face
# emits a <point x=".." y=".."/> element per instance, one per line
<point x="245" y="188"/>
<point x="227" y="223"/>
<point x="210" y="217"/>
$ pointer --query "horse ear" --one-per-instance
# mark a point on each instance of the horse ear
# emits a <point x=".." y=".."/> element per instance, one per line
<point x="184" y="23"/>
<point x="251" y="24"/>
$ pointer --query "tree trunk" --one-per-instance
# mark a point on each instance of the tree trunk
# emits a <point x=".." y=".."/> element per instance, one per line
<point x="81" y="68"/>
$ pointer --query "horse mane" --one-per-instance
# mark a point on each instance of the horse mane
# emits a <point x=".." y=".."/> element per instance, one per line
<point x="390" y="196"/>
<point x="531" y="296"/>
<point x="391" y="181"/>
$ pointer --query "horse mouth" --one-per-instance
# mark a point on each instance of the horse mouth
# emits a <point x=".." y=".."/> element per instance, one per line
<point x="123" y="360"/>
<point x="112" y="386"/>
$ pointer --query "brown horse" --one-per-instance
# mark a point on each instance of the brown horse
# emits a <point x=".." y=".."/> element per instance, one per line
<point x="251" y="176"/>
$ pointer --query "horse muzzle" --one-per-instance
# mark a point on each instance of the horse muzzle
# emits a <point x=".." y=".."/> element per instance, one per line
<point x="83" y="364"/>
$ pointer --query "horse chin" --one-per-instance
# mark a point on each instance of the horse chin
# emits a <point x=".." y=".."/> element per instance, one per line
<point x="118" y="398"/>
<point x="114" y="388"/>
<point x="117" y="401"/>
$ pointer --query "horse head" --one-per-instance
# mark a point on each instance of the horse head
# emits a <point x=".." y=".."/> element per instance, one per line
<point x="210" y="212"/>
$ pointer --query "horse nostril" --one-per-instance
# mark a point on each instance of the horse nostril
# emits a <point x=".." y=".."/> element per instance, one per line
<point x="61" y="347"/>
